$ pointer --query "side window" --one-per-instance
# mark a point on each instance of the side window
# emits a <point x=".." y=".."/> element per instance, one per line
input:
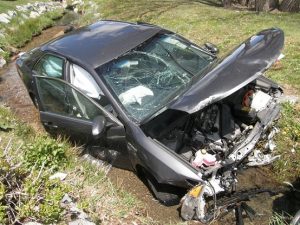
<point x="50" y="66"/>
<point x="84" y="81"/>
<point x="59" y="97"/>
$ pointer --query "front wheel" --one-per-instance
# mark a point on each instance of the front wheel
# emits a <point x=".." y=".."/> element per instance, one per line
<point x="166" y="194"/>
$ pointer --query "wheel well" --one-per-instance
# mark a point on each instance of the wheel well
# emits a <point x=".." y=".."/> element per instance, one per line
<point x="166" y="194"/>
<point x="140" y="170"/>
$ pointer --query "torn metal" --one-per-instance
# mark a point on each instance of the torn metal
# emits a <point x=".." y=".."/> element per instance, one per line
<point x="224" y="126"/>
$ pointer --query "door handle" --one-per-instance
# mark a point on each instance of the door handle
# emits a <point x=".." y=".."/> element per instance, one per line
<point x="50" y="124"/>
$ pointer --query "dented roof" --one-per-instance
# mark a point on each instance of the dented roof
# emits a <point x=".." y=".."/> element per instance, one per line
<point x="101" y="42"/>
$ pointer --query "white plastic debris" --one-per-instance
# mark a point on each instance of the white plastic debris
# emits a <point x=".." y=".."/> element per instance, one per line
<point x="58" y="175"/>
<point x="260" y="100"/>
<point x="257" y="158"/>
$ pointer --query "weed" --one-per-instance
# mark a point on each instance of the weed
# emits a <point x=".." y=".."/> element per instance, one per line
<point x="288" y="143"/>
<point x="8" y="122"/>
<point x="278" y="219"/>
<point x="19" y="33"/>
<point x="45" y="152"/>
<point x="42" y="200"/>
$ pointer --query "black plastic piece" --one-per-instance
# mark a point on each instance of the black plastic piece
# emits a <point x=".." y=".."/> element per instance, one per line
<point x="249" y="211"/>
<point x="239" y="215"/>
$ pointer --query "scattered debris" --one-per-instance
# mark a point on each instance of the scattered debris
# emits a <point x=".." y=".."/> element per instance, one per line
<point x="58" y="175"/>
<point x="194" y="206"/>
<point x="292" y="99"/>
<point x="71" y="208"/>
<point x="257" y="158"/>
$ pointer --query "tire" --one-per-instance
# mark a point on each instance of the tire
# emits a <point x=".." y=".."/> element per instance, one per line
<point x="166" y="194"/>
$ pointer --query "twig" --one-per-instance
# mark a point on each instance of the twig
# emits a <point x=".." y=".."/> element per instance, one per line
<point x="40" y="172"/>
<point x="7" y="147"/>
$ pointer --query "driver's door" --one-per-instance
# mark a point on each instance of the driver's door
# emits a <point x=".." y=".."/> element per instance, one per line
<point x="66" y="110"/>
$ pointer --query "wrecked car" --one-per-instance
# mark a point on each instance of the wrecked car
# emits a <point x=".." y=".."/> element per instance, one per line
<point x="181" y="117"/>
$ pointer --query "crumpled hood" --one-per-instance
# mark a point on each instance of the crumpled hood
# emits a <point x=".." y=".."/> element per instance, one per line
<point x="243" y="65"/>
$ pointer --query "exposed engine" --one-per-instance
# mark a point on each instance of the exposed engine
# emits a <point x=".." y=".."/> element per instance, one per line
<point x="222" y="136"/>
<point x="217" y="129"/>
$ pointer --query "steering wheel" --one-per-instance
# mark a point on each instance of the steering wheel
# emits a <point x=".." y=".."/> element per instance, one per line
<point x="163" y="78"/>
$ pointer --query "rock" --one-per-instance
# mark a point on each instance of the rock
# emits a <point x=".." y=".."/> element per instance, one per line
<point x="66" y="199"/>
<point x="42" y="9"/>
<point x="32" y="223"/>
<point x="78" y="212"/>
<point x="4" y="18"/>
<point x="29" y="7"/>
<point x="34" y="14"/>
<point x="58" y="175"/>
<point x="11" y="13"/>
<point x="21" y="8"/>
<point x="2" y="62"/>
<point x="77" y="2"/>
<point x="81" y="222"/>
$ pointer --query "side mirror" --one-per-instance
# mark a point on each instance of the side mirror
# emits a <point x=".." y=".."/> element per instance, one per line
<point x="98" y="127"/>
<point x="211" y="48"/>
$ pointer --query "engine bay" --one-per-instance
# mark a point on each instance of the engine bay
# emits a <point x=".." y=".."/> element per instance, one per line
<point x="223" y="134"/>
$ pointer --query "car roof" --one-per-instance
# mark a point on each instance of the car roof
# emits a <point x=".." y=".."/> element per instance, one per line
<point x="99" y="43"/>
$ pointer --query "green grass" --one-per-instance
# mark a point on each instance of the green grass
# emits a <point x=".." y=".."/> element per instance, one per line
<point x="19" y="34"/>
<point x="278" y="219"/>
<point x="19" y="31"/>
<point x="287" y="168"/>
<point x="27" y="159"/>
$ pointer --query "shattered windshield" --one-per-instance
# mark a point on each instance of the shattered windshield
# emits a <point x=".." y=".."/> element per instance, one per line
<point x="148" y="77"/>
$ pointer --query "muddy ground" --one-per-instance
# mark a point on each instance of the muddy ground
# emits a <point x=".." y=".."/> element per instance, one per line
<point x="14" y="95"/>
